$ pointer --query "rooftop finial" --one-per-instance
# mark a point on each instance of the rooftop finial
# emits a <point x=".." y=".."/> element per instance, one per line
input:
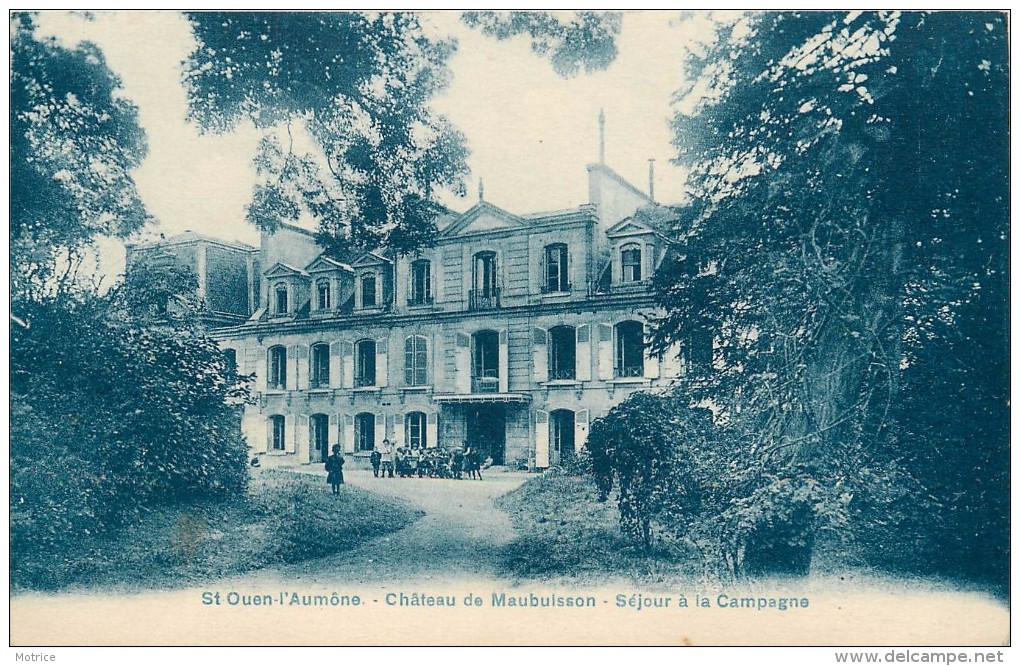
<point x="481" y="190"/>
<point x="602" y="136"/>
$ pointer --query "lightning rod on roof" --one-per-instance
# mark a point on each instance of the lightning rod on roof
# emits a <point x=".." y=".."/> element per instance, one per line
<point x="602" y="136"/>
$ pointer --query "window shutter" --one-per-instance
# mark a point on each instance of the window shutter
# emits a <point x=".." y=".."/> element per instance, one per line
<point x="380" y="429"/>
<point x="651" y="363"/>
<point x="541" y="438"/>
<point x="335" y="364"/>
<point x="462" y="358"/>
<point x="397" y="424"/>
<point x="290" y="438"/>
<point x="580" y="429"/>
<point x="409" y="361"/>
<point x="432" y="430"/>
<point x="334" y="428"/>
<point x="382" y="370"/>
<point x="583" y="353"/>
<point x="347" y="349"/>
<point x="302" y="440"/>
<point x="348" y="433"/>
<point x="292" y="352"/>
<point x="605" y="345"/>
<point x="262" y="370"/>
<point x="269" y="433"/>
<point x="504" y="362"/>
<point x="672" y="362"/>
<point x="540" y="355"/>
<point x="301" y="379"/>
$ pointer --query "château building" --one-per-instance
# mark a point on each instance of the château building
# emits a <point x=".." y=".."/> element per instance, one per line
<point x="512" y="333"/>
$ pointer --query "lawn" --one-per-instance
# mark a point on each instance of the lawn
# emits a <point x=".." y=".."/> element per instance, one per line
<point x="283" y="518"/>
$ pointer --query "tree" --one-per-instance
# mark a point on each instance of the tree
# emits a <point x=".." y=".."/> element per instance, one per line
<point x="355" y="88"/>
<point x="74" y="142"/>
<point x="849" y="180"/>
<point x="585" y="41"/>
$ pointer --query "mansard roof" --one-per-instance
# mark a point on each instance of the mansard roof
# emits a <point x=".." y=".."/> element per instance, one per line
<point x="280" y="269"/>
<point x="324" y="264"/>
<point x="483" y="216"/>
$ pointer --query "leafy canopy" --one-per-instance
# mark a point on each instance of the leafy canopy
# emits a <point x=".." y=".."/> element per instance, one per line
<point x="343" y="99"/>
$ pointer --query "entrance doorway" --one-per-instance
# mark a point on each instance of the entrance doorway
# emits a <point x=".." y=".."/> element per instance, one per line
<point x="561" y="434"/>
<point x="486" y="431"/>
<point x="320" y="437"/>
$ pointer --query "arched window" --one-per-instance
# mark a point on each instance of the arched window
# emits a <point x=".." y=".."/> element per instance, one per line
<point x="630" y="349"/>
<point x="323" y="297"/>
<point x="416" y="355"/>
<point x="556" y="279"/>
<point x="485" y="362"/>
<point x="415" y="432"/>
<point x="562" y="352"/>
<point x="277" y="367"/>
<point x="319" y="433"/>
<point x="280" y="303"/>
<point x="561" y="434"/>
<point x="320" y="365"/>
<point x="630" y="263"/>
<point x="277" y="432"/>
<point x="368" y="290"/>
<point x="364" y="363"/>
<point x="364" y="432"/>
<point x="421" y="283"/>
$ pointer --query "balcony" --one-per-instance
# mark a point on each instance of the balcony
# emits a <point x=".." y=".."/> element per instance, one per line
<point x="489" y="383"/>
<point x="559" y="374"/>
<point x="631" y="371"/>
<point x="482" y="299"/>
<point x="556" y="289"/>
<point x="419" y="301"/>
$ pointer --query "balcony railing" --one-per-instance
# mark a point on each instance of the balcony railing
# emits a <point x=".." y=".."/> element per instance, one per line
<point x="481" y="299"/>
<point x="561" y="373"/>
<point x="554" y="289"/>
<point x="631" y="371"/>
<point x="363" y="381"/>
<point x="487" y="384"/>
<point x="419" y="300"/>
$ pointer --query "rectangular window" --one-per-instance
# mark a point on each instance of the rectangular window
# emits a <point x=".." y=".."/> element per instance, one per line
<point x="556" y="269"/>
<point x="323" y="296"/>
<point x="279" y="430"/>
<point x="364" y="371"/>
<point x="320" y="366"/>
<point x="368" y="291"/>
<point x="421" y="283"/>
<point x="415" y="361"/>
<point x="278" y="368"/>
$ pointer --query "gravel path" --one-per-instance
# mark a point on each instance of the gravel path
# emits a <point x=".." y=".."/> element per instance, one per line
<point x="459" y="538"/>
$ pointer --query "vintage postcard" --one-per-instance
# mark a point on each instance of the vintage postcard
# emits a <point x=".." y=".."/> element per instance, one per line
<point x="499" y="328"/>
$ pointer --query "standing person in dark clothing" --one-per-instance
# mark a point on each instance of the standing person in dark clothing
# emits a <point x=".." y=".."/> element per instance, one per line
<point x="457" y="460"/>
<point x="376" y="459"/>
<point x="335" y="469"/>
<point x="476" y="464"/>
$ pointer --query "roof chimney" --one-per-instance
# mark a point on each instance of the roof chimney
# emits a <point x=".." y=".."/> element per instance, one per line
<point x="651" y="179"/>
<point x="602" y="136"/>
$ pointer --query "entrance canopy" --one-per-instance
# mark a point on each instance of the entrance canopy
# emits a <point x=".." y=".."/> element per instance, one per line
<point x="481" y="397"/>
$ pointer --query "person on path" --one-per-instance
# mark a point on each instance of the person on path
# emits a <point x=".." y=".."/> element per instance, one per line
<point x="335" y="469"/>
<point x="458" y="462"/>
<point x="387" y="458"/>
<point x="376" y="459"/>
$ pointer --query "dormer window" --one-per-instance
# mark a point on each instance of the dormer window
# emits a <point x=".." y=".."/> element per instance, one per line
<point x="556" y="269"/>
<point x="630" y="263"/>
<point x="280" y="302"/>
<point x="368" y="291"/>
<point x="323" y="297"/>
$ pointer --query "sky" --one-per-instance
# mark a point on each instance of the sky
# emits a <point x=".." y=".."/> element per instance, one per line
<point x="530" y="132"/>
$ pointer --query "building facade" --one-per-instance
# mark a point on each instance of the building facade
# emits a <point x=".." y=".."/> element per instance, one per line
<point x="512" y="333"/>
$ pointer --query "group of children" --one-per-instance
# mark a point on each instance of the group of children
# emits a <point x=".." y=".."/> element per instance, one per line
<point x="435" y="463"/>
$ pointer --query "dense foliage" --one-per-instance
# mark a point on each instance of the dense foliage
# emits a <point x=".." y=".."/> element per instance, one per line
<point x="343" y="99"/>
<point x="572" y="41"/>
<point x="115" y="410"/>
<point x="74" y="141"/>
<point x="850" y="201"/>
